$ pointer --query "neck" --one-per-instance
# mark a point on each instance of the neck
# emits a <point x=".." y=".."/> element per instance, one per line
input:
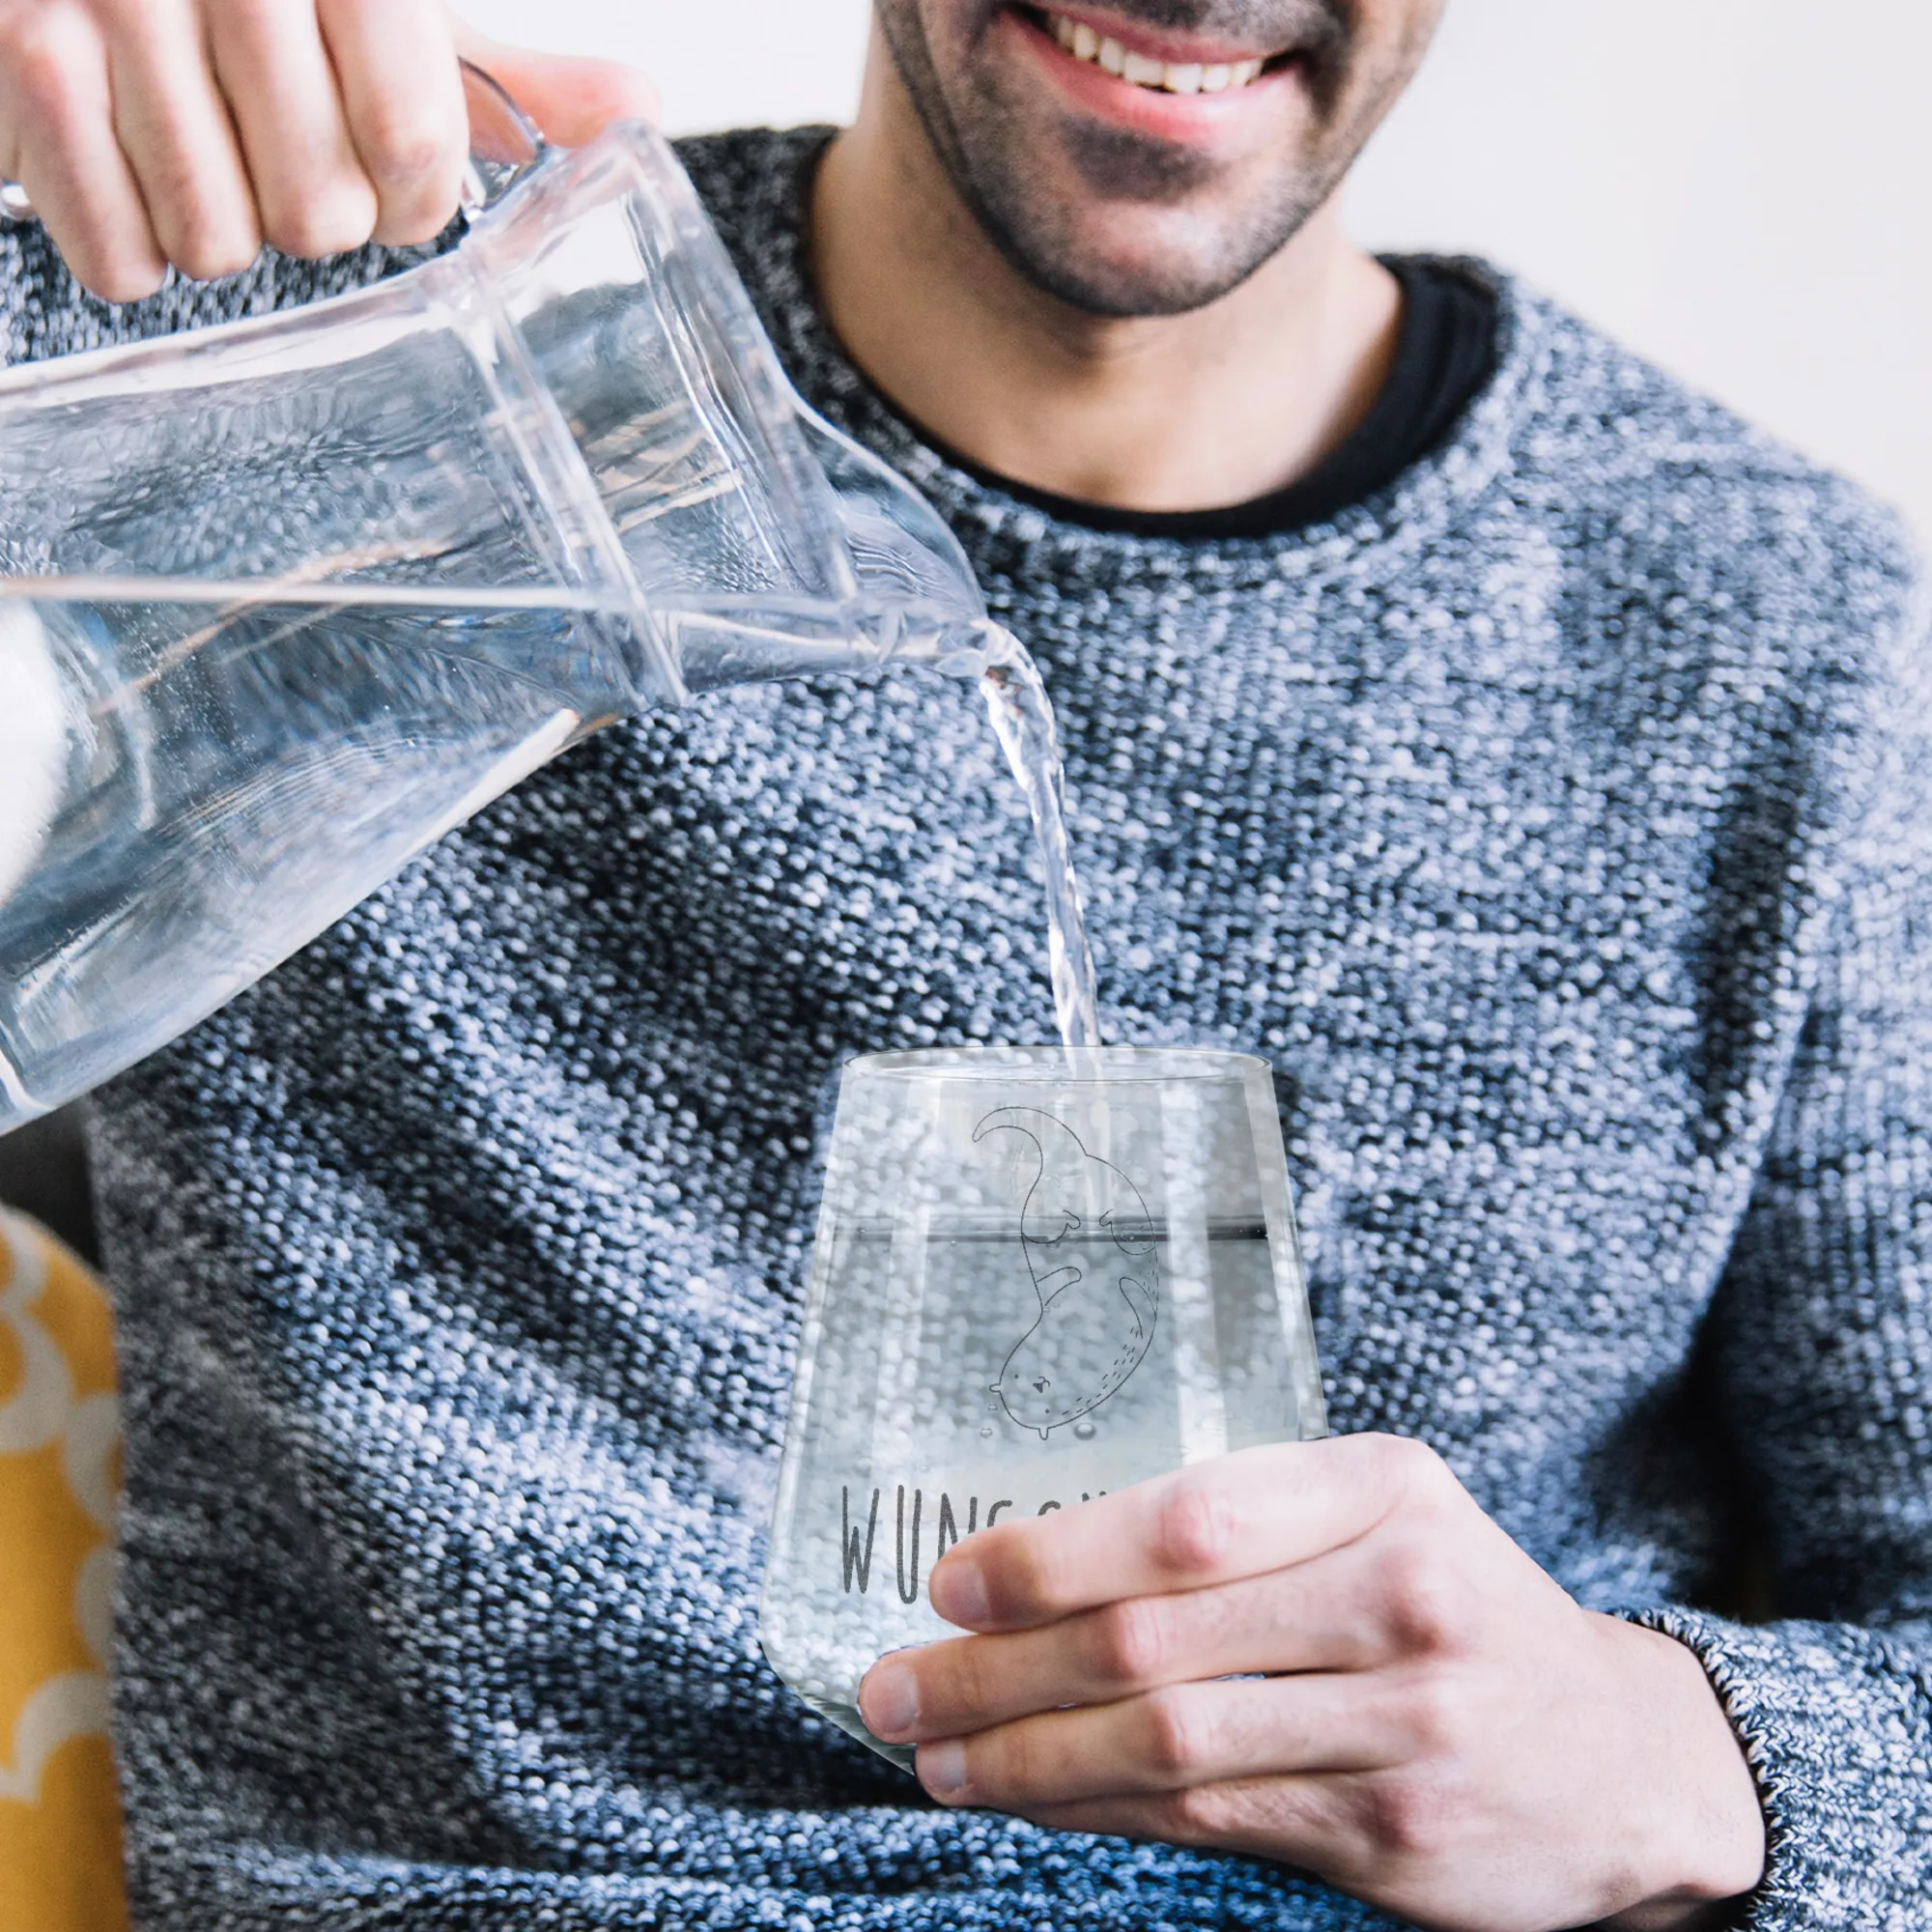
<point x="1192" y="411"/>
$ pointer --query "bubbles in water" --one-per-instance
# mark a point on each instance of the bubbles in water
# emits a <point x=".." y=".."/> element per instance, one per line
<point x="1084" y="1431"/>
<point x="988" y="1429"/>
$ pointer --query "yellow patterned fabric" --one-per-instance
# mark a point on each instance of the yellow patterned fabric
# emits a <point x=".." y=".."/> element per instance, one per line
<point x="60" y="1820"/>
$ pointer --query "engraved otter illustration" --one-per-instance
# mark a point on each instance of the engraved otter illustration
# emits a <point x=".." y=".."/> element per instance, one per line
<point x="1088" y="1244"/>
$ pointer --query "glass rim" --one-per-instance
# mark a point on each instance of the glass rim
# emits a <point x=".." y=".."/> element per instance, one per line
<point x="1081" y="1064"/>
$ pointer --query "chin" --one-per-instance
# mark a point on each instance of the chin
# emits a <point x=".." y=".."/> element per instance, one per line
<point x="1143" y="262"/>
<point x="1129" y="288"/>
<point x="1125" y="226"/>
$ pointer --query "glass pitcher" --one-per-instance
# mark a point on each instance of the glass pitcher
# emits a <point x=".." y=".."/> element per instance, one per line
<point x="283" y="601"/>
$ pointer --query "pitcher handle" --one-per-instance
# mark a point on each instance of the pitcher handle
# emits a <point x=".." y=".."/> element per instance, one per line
<point x="489" y="175"/>
<point x="504" y="143"/>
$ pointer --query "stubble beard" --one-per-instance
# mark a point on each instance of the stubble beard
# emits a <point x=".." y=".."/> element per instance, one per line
<point x="985" y="150"/>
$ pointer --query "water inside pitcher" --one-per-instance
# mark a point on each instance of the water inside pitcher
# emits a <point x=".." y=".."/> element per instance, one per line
<point x="283" y="601"/>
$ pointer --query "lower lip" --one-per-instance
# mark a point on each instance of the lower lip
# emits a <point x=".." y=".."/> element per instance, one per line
<point x="1193" y="119"/>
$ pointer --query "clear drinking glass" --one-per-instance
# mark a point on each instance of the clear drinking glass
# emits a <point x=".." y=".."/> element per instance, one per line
<point x="1041" y="1274"/>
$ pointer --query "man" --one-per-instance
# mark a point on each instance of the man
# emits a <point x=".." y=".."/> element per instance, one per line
<point x="1523" y="754"/>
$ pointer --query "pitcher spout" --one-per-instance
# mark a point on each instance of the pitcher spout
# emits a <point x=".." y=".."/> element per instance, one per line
<point x="897" y="589"/>
<point x="900" y="549"/>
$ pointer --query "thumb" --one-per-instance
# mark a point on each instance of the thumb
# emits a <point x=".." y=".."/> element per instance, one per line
<point x="570" y="98"/>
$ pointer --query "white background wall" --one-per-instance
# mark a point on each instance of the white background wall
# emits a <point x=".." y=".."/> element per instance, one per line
<point x="1741" y="187"/>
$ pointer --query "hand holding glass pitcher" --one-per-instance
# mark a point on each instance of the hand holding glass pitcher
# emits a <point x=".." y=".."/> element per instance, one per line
<point x="312" y="126"/>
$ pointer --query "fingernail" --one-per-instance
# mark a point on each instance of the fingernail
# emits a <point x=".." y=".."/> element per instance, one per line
<point x="958" y="1593"/>
<point x="889" y="1698"/>
<point x="942" y="1769"/>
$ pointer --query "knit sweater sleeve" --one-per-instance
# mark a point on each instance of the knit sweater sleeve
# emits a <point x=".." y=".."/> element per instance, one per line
<point x="1822" y="1336"/>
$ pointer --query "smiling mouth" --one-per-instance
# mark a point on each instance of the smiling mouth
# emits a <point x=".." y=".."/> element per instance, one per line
<point x="1088" y="43"/>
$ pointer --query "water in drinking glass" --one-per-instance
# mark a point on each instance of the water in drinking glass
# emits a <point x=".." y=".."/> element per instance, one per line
<point x="1041" y="1274"/>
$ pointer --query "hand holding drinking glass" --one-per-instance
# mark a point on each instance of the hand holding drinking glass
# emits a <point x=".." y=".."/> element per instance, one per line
<point x="1325" y="1653"/>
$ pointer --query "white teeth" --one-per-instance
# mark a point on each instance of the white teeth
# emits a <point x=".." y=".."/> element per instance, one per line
<point x="1088" y="43"/>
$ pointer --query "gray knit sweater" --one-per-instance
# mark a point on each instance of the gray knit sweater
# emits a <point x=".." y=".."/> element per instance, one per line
<point x="1558" y="824"/>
